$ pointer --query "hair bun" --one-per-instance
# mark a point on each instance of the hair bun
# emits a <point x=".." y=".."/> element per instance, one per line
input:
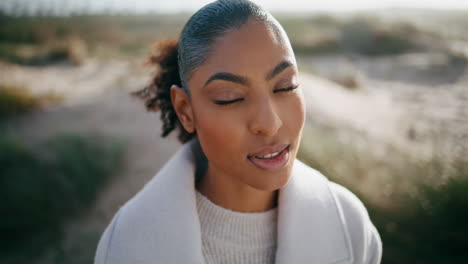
<point x="157" y="94"/>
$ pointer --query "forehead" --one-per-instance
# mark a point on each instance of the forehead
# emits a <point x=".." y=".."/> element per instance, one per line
<point x="251" y="50"/>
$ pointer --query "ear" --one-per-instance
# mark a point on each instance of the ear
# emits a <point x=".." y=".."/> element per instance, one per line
<point x="183" y="108"/>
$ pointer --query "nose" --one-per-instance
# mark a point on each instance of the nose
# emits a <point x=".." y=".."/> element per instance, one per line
<point x="264" y="119"/>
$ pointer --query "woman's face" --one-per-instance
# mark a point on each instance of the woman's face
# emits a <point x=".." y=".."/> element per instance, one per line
<point x="246" y="102"/>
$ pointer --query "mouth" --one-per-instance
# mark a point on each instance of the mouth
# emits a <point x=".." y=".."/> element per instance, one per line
<point x="272" y="158"/>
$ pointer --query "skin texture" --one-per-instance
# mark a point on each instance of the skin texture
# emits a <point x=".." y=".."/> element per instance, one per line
<point x="264" y="116"/>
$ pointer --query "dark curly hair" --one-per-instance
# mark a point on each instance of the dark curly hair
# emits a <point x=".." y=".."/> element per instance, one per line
<point x="157" y="94"/>
<point x="177" y="60"/>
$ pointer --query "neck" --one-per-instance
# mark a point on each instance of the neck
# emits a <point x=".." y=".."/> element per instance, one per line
<point x="228" y="193"/>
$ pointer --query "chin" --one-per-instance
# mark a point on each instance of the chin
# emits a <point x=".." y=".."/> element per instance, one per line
<point x="272" y="182"/>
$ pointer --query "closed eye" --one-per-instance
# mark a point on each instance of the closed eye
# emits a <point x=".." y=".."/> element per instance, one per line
<point x="228" y="102"/>
<point x="288" y="89"/>
<point x="224" y="103"/>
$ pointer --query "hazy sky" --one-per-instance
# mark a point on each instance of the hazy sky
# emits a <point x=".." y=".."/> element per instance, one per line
<point x="191" y="5"/>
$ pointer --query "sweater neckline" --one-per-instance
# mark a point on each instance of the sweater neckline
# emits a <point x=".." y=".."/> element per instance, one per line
<point x="246" y="230"/>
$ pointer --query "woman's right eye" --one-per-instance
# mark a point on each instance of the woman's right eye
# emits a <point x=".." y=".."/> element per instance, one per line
<point x="228" y="102"/>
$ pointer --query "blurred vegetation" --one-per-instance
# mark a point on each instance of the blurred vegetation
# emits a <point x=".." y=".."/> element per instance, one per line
<point x="366" y="36"/>
<point x="418" y="206"/>
<point x="39" y="40"/>
<point x="71" y="50"/>
<point x="16" y="100"/>
<point x="430" y="226"/>
<point x="80" y="250"/>
<point x="370" y="35"/>
<point x="44" y="186"/>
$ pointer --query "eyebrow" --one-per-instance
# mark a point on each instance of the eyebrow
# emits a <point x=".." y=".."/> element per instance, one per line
<point x="230" y="77"/>
<point x="226" y="76"/>
<point x="279" y="68"/>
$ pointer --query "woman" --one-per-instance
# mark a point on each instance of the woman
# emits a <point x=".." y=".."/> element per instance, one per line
<point x="234" y="192"/>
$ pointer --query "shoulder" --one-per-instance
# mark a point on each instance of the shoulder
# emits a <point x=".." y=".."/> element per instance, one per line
<point x="136" y="230"/>
<point x="147" y="226"/>
<point x="104" y="245"/>
<point x="364" y="237"/>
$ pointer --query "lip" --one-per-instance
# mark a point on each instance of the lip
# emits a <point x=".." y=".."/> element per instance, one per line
<point x="268" y="150"/>
<point x="272" y="164"/>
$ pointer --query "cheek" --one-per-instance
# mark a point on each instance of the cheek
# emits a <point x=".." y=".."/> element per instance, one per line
<point x="220" y="134"/>
<point x="293" y="114"/>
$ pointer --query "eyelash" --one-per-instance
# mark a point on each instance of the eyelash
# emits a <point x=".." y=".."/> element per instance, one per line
<point x="224" y="103"/>
<point x="289" y="89"/>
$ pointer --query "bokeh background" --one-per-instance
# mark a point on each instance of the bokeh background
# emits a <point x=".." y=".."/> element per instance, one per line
<point x="386" y="85"/>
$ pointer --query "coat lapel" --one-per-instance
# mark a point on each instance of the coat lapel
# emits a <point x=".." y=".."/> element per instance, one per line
<point x="160" y="224"/>
<point x="310" y="225"/>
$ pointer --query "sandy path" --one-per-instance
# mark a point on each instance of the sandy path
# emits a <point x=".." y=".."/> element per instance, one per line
<point x="416" y="102"/>
<point x="372" y="114"/>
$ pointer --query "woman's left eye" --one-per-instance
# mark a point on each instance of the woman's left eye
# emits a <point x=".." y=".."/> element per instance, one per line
<point x="288" y="89"/>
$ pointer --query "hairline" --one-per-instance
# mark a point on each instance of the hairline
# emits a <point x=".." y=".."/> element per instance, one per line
<point x="267" y="19"/>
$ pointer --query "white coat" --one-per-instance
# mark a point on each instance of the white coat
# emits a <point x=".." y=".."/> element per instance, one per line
<point x="318" y="221"/>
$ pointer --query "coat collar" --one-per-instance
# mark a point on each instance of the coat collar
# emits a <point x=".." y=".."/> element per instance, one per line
<point x="310" y="224"/>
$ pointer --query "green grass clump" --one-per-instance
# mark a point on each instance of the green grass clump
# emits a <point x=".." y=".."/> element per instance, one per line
<point x="418" y="206"/>
<point x="41" y="188"/>
<point x="430" y="226"/>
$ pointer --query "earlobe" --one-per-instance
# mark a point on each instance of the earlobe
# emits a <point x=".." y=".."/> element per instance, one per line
<point x="183" y="108"/>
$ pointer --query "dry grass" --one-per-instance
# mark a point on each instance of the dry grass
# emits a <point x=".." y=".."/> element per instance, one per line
<point x="417" y="205"/>
<point x="52" y="39"/>
<point x="131" y="35"/>
<point x="17" y="100"/>
<point x="72" y="50"/>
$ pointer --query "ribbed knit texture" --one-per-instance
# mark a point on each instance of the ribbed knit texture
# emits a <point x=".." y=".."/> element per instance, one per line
<point x="233" y="237"/>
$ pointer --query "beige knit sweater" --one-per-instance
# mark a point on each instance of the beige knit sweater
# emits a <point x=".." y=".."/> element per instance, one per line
<point x="234" y="237"/>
